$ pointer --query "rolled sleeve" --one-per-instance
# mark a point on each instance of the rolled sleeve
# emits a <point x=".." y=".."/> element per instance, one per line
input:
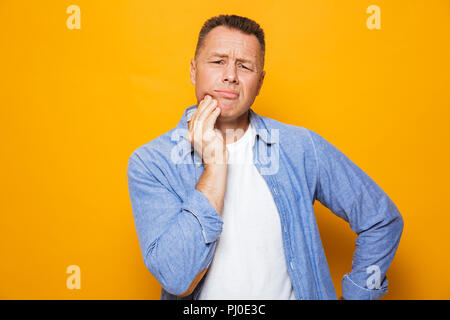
<point x="352" y="291"/>
<point x="209" y="219"/>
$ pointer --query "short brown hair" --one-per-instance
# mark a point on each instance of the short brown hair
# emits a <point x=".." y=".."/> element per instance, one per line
<point x="242" y="24"/>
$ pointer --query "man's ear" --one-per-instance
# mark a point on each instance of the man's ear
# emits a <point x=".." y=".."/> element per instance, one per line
<point x="263" y="74"/>
<point x="193" y="70"/>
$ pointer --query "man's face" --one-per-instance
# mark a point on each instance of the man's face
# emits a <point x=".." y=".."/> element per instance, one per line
<point x="232" y="61"/>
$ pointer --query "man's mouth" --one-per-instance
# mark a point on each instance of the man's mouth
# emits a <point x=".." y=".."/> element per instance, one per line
<point x="229" y="94"/>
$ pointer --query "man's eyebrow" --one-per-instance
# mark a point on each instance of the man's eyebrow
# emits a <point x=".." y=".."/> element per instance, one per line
<point x="223" y="55"/>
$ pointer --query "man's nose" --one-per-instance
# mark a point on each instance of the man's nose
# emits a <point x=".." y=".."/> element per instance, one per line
<point x="230" y="74"/>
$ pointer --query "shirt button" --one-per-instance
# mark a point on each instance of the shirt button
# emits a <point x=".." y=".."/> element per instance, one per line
<point x="292" y="265"/>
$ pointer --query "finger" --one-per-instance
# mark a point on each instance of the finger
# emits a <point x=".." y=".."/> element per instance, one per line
<point x="194" y="127"/>
<point x="203" y="106"/>
<point x="212" y="118"/>
<point x="200" y="107"/>
<point x="203" y="103"/>
<point x="204" y="113"/>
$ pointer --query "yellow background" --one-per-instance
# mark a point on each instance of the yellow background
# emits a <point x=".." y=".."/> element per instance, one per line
<point x="76" y="103"/>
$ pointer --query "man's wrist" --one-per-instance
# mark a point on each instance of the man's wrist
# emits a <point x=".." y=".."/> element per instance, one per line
<point x="210" y="195"/>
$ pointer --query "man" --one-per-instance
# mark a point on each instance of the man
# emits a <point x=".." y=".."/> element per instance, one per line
<point x="223" y="203"/>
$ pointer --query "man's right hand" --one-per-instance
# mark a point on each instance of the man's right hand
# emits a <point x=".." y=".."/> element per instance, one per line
<point x="207" y="140"/>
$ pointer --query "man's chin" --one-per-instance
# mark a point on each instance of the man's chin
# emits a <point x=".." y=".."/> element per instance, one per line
<point x="226" y="106"/>
<point x="229" y="112"/>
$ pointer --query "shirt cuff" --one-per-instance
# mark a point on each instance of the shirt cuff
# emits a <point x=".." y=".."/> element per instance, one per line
<point x="352" y="291"/>
<point x="208" y="217"/>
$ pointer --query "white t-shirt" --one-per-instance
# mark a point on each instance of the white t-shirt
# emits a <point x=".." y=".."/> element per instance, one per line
<point x="249" y="261"/>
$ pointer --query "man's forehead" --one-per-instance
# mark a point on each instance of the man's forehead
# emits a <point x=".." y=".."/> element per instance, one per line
<point x="224" y="41"/>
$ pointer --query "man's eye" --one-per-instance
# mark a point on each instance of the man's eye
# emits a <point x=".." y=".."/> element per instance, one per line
<point x="241" y="65"/>
<point x="217" y="61"/>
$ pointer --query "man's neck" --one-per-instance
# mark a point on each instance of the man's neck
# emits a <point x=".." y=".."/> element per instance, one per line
<point x="239" y="127"/>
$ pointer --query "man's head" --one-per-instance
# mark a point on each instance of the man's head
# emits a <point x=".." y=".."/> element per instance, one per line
<point x="229" y="56"/>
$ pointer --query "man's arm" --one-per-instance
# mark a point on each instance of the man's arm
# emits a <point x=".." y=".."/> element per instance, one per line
<point x="352" y="195"/>
<point x="177" y="236"/>
<point x="212" y="184"/>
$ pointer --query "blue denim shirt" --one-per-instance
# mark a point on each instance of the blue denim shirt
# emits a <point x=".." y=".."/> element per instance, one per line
<point x="177" y="227"/>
